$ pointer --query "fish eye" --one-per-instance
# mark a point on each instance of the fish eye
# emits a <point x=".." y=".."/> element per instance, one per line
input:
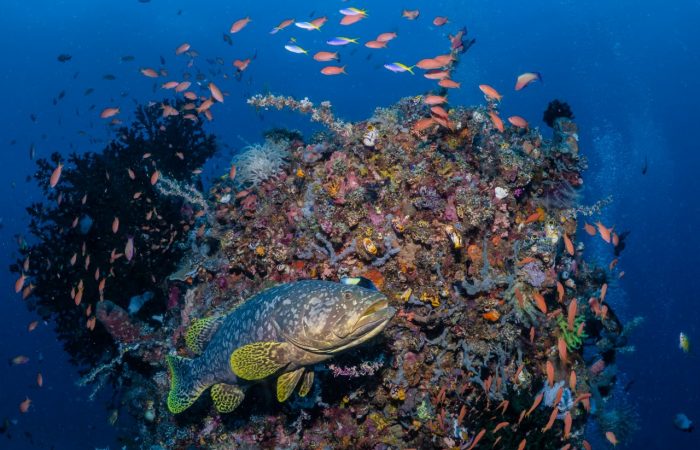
<point x="346" y="295"/>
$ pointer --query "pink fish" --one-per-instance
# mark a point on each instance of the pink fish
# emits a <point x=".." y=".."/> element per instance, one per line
<point x="129" y="248"/>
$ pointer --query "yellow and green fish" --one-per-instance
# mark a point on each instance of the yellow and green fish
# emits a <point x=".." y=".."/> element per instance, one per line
<point x="684" y="342"/>
<point x="281" y="332"/>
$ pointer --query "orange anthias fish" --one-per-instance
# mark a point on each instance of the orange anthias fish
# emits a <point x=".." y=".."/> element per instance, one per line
<point x="129" y="248"/>
<point x="284" y="24"/>
<point x="490" y="92"/>
<point x="518" y="122"/>
<point x="539" y="301"/>
<point x="567" y="425"/>
<point x="497" y="122"/>
<point x="571" y="314"/>
<point x="354" y="18"/>
<point x="440" y="21"/>
<point x="499" y="426"/>
<point x="590" y="229"/>
<point x="433" y="100"/>
<point x="560" y="291"/>
<point x="604" y="232"/>
<point x="150" y="73"/>
<point x="39" y="379"/>
<point x="232" y="172"/>
<point x="550" y="373"/>
<point x="410" y="14"/>
<point x="109" y="112"/>
<point x="449" y="84"/>
<point x="24" y="406"/>
<point x="374" y="44"/>
<point x="19" y="284"/>
<point x="428" y="64"/>
<point x="56" y="175"/>
<point x="386" y="37"/>
<point x="522" y="444"/>
<point x="603" y="291"/>
<point x="32" y="326"/>
<point x="241" y="65"/>
<point x="216" y="93"/>
<point x="535" y="404"/>
<point x="527" y="78"/>
<point x="561" y="345"/>
<point x="239" y="25"/>
<point x="610" y="436"/>
<point x="568" y="244"/>
<point x="334" y="70"/>
<point x="154" y="177"/>
<point x="182" y="48"/>
<point x="326" y="56"/>
<point x="115" y="225"/>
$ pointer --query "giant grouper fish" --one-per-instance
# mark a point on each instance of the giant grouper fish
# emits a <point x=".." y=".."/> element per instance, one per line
<point x="282" y="330"/>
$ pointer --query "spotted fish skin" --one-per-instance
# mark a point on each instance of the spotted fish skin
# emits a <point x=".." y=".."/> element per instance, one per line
<point x="279" y="330"/>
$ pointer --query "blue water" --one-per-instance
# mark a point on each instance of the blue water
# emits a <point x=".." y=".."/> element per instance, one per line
<point x="628" y="69"/>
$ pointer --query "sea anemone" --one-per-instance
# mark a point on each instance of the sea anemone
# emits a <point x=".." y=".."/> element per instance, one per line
<point x="258" y="163"/>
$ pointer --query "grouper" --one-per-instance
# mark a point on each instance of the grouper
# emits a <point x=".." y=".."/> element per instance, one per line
<point x="281" y="331"/>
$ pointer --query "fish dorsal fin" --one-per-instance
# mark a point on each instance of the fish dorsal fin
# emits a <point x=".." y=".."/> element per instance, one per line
<point x="306" y="383"/>
<point x="226" y="397"/>
<point x="200" y="332"/>
<point x="287" y="382"/>
<point x="260" y="359"/>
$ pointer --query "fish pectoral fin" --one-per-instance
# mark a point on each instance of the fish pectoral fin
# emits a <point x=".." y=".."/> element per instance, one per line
<point x="226" y="397"/>
<point x="200" y="332"/>
<point x="306" y="383"/>
<point x="260" y="359"/>
<point x="287" y="382"/>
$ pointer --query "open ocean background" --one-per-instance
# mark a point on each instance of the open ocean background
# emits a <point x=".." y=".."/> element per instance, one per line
<point x="629" y="70"/>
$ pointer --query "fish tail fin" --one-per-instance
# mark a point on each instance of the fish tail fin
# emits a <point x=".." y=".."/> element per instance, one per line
<point x="410" y="69"/>
<point x="185" y="384"/>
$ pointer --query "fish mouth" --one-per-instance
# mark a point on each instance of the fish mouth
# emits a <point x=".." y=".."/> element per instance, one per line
<point x="370" y="323"/>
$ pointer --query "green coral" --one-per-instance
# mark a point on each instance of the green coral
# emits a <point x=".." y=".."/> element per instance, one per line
<point x="423" y="411"/>
<point x="571" y="337"/>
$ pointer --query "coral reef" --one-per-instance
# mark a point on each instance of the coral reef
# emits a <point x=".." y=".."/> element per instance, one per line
<point x="445" y="215"/>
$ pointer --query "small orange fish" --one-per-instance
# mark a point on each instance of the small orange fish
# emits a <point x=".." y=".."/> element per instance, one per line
<point x="610" y="436"/>
<point x="428" y="64"/>
<point x="19" y="284"/>
<point x="326" y="56"/>
<point x="170" y="85"/>
<point x="612" y="264"/>
<point x="568" y="244"/>
<point x="374" y="44"/>
<point x="150" y="73"/>
<point x="499" y="426"/>
<point x="422" y="124"/>
<point x="490" y="92"/>
<point x="129" y="248"/>
<point x="532" y="335"/>
<point x="239" y="25"/>
<point x="589" y="229"/>
<point x="32" y="326"/>
<point x="518" y="122"/>
<point x="604" y="232"/>
<point x="39" y="379"/>
<point x="567" y="425"/>
<point x="586" y="445"/>
<point x="444" y="60"/>
<point x="154" y="177"/>
<point x="432" y="100"/>
<point x="440" y="21"/>
<point x="354" y="18"/>
<point x="522" y="444"/>
<point x="131" y="173"/>
<point x="78" y="297"/>
<point x="439" y="111"/>
<point x="386" y="37"/>
<point x="24" y="406"/>
<point x="497" y="122"/>
<point x="561" y="345"/>
<point x="615" y="239"/>
<point x="232" y="172"/>
<point x="56" y="175"/>
<point x="334" y="70"/>
<point x="477" y="438"/>
<point x="550" y="373"/>
<point x="449" y="84"/>
<point x="603" y="291"/>
<point x="535" y="404"/>
<point x="552" y="418"/>
<point x="526" y="78"/>
<point x="571" y="315"/>
<point x="109" y="112"/>
<point x="318" y="23"/>
<point x="410" y="14"/>
<point x="560" y="291"/>
<point x="115" y="225"/>
<point x="572" y="381"/>
<point x="241" y="65"/>
<point x="182" y="48"/>
<point x="216" y="93"/>
<point x="540" y="302"/>
<point x="284" y="24"/>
